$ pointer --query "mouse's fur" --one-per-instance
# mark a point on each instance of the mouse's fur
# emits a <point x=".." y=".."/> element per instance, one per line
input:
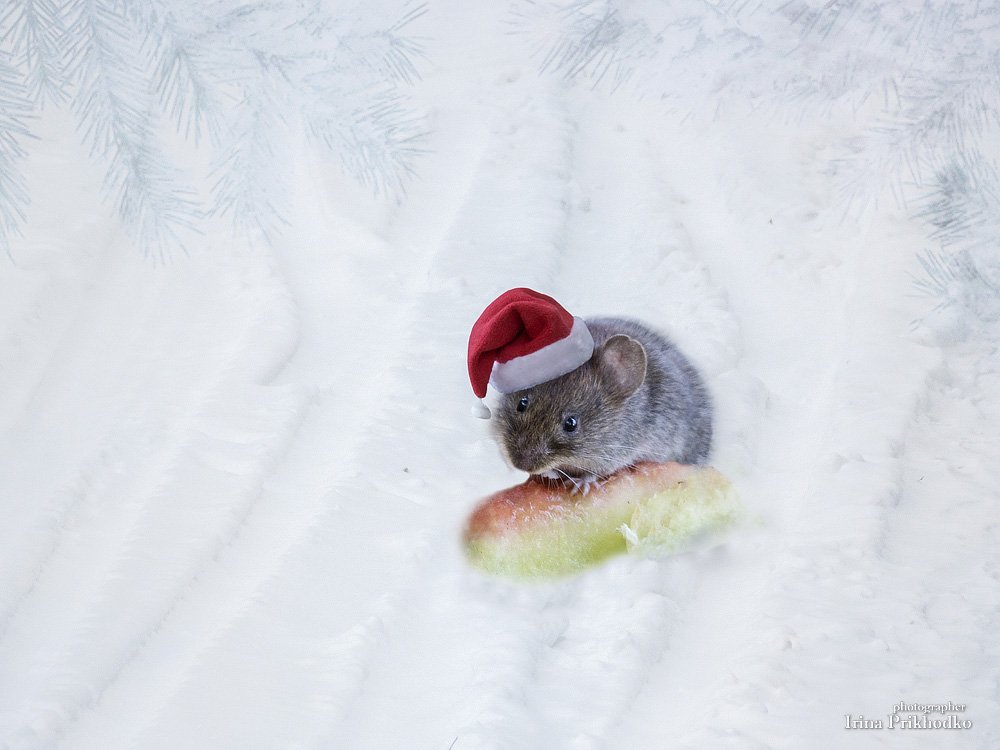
<point x="636" y="399"/>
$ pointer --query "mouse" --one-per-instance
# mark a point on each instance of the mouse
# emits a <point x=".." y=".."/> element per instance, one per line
<point x="637" y="398"/>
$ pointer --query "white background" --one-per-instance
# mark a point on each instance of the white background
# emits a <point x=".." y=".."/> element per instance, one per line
<point x="233" y="478"/>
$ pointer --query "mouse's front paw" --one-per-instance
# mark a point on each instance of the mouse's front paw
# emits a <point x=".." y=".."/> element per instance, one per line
<point x="578" y="485"/>
<point x="583" y="485"/>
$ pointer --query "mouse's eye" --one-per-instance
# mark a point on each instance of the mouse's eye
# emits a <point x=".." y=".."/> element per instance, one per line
<point x="570" y="424"/>
<point x="522" y="404"/>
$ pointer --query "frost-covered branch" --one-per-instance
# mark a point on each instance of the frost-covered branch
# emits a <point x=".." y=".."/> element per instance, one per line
<point x="182" y="77"/>
<point x="333" y="73"/>
<point x="377" y="144"/>
<point x="615" y="42"/>
<point x="14" y="110"/>
<point x="963" y="205"/>
<point x="239" y="75"/>
<point x="34" y="31"/>
<point x="592" y="39"/>
<point x="352" y="99"/>
<point x="921" y="79"/>
<point x="388" y="54"/>
<point x="112" y="103"/>
<point x="246" y="188"/>
<point x="935" y="143"/>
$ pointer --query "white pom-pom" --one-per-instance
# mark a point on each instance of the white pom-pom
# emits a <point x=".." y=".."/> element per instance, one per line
<point x="481" y="410"/>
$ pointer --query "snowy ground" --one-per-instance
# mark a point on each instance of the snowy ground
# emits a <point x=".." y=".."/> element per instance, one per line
<point x="232" y="483"/>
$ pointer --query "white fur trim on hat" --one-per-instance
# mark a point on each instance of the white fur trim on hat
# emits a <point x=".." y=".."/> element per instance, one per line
<point x="545" y="364"/>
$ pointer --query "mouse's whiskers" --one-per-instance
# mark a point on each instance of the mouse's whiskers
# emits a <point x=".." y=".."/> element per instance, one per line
<point x="572" y="480"/>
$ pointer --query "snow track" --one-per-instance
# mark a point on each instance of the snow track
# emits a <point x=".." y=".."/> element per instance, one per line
<point x="232" y="485"/>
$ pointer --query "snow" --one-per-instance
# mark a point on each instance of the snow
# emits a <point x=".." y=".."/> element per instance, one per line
<point x="233" y="481"/>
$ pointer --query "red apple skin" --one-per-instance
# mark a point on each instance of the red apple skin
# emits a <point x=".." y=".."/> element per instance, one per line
<point x="516" y="509"/>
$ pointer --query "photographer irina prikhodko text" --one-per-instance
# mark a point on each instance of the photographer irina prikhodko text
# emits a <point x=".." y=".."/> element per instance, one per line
<point x="914" y="716"/>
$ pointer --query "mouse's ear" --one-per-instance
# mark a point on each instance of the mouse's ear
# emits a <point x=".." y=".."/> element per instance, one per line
<point x="621" y="361"/>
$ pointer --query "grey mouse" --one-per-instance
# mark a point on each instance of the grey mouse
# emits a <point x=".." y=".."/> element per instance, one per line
<point x="636" y="399"/>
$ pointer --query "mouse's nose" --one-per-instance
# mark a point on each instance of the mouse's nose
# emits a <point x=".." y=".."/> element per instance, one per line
<point x="528" y="459"/>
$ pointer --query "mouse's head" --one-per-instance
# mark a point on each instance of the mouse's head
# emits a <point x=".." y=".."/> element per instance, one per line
<point x="575" y="424"/>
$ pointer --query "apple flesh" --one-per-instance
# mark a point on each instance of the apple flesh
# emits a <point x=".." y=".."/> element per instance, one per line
<point x="543" y="528"/>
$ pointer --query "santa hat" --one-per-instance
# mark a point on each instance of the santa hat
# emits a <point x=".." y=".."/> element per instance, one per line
<point x="524" y="338"/>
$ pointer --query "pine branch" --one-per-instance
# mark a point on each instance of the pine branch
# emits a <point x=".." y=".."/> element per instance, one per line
<point x="186" y="90"/>
<point x="387" y="55"/>
<point x="610" y="42"/>
<point x="225" y="69"/>
<point x="341" y="78"/>
<point x="854" y="50"/>
<point x="590" y="39"/>
<point x="963" y="205"/>
<point x="34" y="30"/>
<point x="378" y="142"/>
<point x="960" y="281"/>
<point x="884" y="158"/>
<point x="15" y="108"/>
<point x="352" y="101"/>
<point x="246" y="189"/>
<point x="112" y="104"/>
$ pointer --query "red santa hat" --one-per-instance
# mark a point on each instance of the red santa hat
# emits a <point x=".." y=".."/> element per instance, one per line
<point x="524" y="338"/>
